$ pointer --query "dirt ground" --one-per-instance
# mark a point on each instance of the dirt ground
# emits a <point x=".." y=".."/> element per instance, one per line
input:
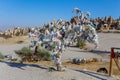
<point x="14" y="40"/>
<point x="93" y="66"/>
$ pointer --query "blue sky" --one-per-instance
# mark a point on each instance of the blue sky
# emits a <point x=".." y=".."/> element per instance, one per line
<point x="37" y="12"/>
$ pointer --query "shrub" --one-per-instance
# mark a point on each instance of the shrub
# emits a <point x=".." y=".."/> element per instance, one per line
<point x="1" y="56"/>
<point x="28" y="54"/>
<point x="43" y="54"/>
<point x="24" y="52"/>
<point x="80" y="43"/>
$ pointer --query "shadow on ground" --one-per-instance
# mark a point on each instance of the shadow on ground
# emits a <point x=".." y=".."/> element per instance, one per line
<point x="93" y="74"/>
<point x="100" y="52"/>
<point x="93" y="51"/>
<point x="20" y="65"/>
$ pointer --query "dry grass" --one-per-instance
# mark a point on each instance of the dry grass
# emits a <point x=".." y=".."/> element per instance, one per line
<point x="14" y="40"/>
<point x="93" y="66"/>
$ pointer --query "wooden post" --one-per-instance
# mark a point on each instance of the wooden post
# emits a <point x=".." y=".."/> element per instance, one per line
<point x="116" y="61"/>
<point x="110" y="69"/>
<point x="112" y="56"/>
<point x="111" y="60"/>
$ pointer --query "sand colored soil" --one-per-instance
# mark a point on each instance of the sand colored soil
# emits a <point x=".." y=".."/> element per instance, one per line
<point x="106" y="41"/>
<point x="14" y="40"/>
<point x="93" y="66"/>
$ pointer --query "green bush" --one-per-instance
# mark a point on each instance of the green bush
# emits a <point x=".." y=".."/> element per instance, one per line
<point x="24" y="52"/>
<point x="80" y="43"/>
<point x="1" y="56"/>
<point x="43" y="54"/>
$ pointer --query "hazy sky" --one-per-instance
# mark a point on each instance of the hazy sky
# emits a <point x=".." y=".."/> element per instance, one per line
<point x="37" y="12"/>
